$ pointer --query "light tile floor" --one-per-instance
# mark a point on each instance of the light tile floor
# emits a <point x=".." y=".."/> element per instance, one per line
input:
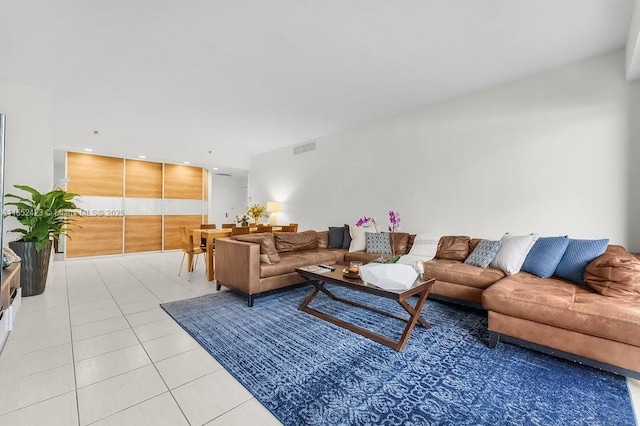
<point x="97" y="349"/>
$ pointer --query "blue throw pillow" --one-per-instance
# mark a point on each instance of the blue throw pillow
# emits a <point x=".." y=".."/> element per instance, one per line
<point x="378" y="243"/>
<point x="545" y="255"/>
<point x="336" y="237"/>
<point x="484" y="253"/>
<point x="578" y="255"/>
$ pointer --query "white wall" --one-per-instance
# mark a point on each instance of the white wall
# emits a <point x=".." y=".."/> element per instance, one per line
<point x="236" y="204"/>
<point x="633" y="191"/>
<point x="28" y="141"/>
<point x="547" y="154"/>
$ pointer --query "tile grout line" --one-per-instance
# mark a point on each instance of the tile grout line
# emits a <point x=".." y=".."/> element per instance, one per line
<point x="73" y="359"/>
<point x="150" y="359"/>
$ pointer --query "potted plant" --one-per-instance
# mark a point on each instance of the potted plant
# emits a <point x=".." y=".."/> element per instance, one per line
<point x="44" y="217"/>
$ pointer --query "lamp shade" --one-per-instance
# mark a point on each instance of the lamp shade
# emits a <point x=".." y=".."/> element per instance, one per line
<point x="274" y="207"/>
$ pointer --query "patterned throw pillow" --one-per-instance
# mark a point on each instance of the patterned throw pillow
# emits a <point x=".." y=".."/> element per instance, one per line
<point x="578" y="255"/>
<point x="484" y="253"/>
<point x="378" y="243"/>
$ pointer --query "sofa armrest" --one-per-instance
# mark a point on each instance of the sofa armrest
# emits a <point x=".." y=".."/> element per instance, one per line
<point x="237" y="265"/>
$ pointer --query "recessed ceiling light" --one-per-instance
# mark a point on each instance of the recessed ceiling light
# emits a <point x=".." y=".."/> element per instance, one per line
<point x="215" y="168"/>
<point x="88" y="149"/>
<point x="186" y="162"/>
<point x="142" y="156"/>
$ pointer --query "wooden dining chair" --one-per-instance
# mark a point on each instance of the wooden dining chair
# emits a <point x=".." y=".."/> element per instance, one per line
<point x="187" y="246"/>
<point x="239" y="230"/>
<point x="228" y="225"/>
<point x="203" y="241"/>
<point x="264" y="228"/>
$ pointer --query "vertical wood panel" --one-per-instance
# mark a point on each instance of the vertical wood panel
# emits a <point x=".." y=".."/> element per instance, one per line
<point x="142" y="233"/>
<point x="95" y="174"/>
<point x="184" y="182"/>
<point x="171" y="225"/>
<point x="95" y="235"/>
<point x="143" y="179"/>
<point x="205" y="184"/>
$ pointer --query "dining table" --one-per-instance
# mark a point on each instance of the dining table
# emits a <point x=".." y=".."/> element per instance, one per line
<point x="210" y="235"/>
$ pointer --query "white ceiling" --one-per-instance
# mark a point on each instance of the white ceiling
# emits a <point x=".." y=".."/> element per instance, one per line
<point x="173" y="79"/>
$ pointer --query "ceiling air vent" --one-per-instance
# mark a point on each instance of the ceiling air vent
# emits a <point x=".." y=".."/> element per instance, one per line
<point x="223" y="174"/>
<point x="311" y="146"/>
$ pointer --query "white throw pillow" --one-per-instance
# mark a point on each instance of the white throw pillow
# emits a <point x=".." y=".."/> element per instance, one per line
<point x="424" y="246"/>
<point x="513" y="252"/>
<point x="358" y="237"/>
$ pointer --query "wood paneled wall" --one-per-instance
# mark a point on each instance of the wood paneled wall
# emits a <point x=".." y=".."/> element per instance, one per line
<point x="184" y="182"/>
<point x="95" y="175"/>
<point x="95" y="235"/>
<point x="142" y="233"/>
<point x="143" y="179"/>
<point x="171" y="231"/>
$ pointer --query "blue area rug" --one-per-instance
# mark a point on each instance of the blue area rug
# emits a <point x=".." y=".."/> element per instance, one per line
<point x="309" y="372"/>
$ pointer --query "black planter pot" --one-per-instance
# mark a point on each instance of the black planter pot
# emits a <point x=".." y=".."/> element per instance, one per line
<point x="34" y="266"/>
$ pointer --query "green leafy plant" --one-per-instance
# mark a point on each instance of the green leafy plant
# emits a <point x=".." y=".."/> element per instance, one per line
<point x="44" y="216"/>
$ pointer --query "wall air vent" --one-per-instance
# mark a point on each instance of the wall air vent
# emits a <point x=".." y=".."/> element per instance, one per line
<point x="311" y="146"/>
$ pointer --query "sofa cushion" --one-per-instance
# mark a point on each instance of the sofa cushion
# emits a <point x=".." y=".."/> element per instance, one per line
<point x="363" y="256"/>
<point x="291" y="260"/>
<point x="513" y="251"/>
<point x="378" y="242"/>
<point x="544" y="256"/>
<point x="453" y="248"/>
<point x="346" y="239"/>
<point x="456" y="272"/>
<point x="268" y="253"/>
<point x="615" y="274"/>
<point x="483" y="253"/>
<point x="400" y="242"/>
<point x="292" y="241"/>
<point x="560" y="303"/>
<point x="578" y="255"/>
<point x="323" y="238"/>
<point x="336" y="236"/>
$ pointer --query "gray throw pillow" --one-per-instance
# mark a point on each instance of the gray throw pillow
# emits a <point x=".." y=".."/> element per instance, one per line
<point x="484" y="253"/>
<point x="346" y="241"/>
<point x="336" y="237"/>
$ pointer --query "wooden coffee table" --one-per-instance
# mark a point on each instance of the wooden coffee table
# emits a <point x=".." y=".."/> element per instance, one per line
<point x="421" y="288"/>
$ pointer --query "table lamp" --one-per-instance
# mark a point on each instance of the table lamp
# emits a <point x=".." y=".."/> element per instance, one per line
<point x="274" y="207"/>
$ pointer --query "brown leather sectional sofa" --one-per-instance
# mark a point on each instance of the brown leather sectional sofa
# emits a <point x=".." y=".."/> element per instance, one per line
<point x="597" y="324"/>
<point x="241" y="263"/>
<point x="552" y="315"/>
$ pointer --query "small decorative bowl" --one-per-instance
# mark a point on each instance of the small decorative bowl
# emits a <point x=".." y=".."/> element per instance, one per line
<point x="348" y="274"/>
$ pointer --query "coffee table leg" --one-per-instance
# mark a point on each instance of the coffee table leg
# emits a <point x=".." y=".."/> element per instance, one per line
<point x="316" y="288"/>
<point x="415" y="317"/>
<point x="411" y="311"/>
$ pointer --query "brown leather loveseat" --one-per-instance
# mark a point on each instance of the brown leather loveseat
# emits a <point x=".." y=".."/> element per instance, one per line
<point x="256" y="263"/>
